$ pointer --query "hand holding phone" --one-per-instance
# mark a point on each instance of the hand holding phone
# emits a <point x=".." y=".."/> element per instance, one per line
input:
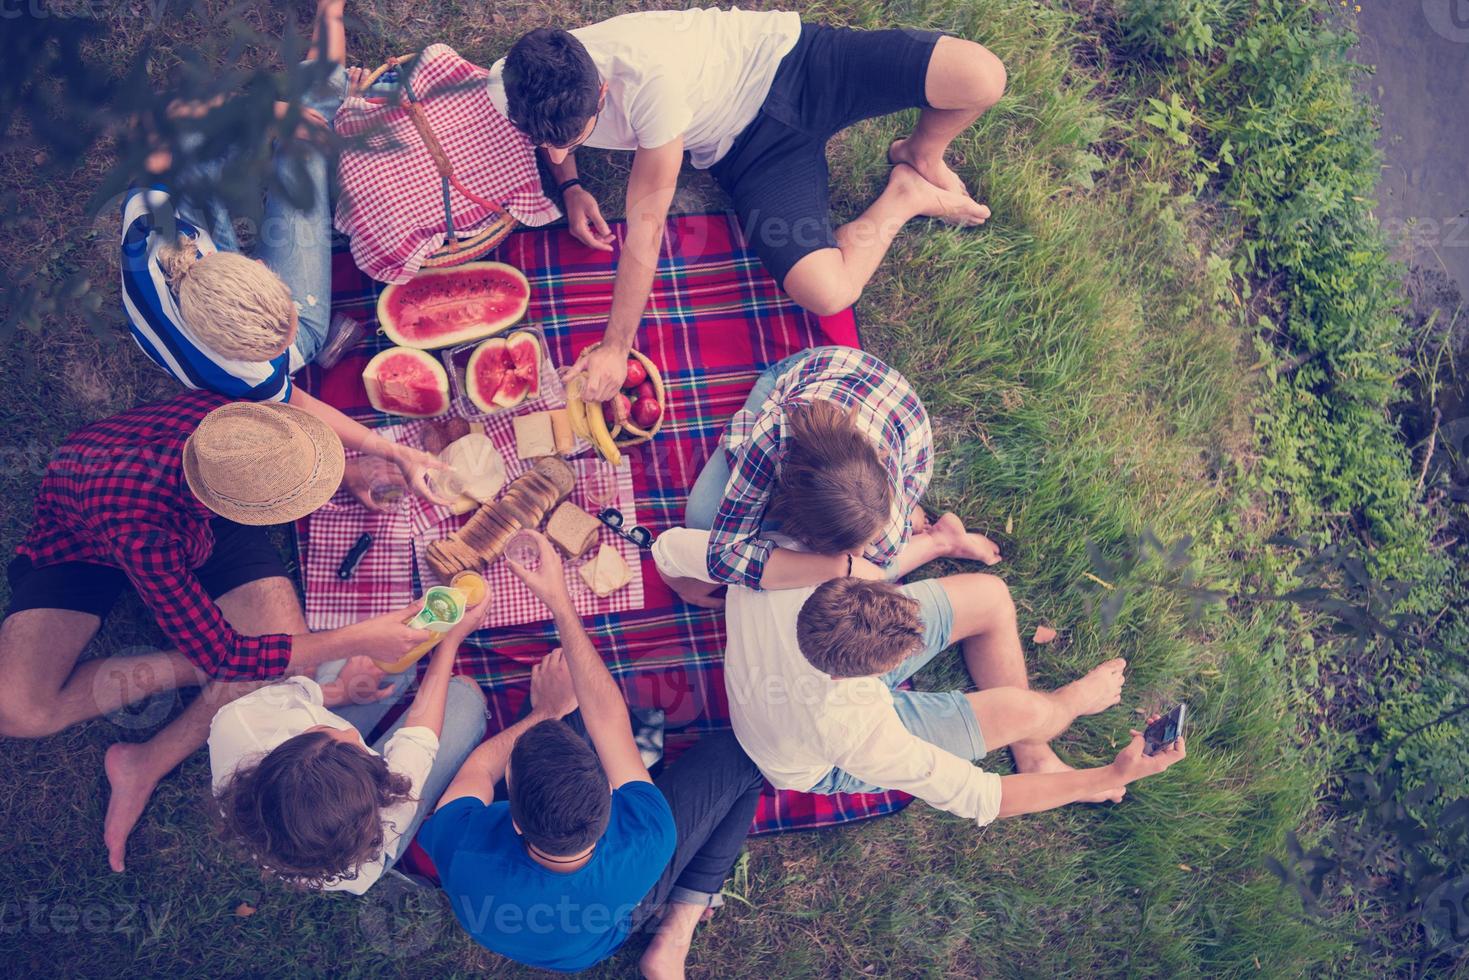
<point x="1164" y="730"/>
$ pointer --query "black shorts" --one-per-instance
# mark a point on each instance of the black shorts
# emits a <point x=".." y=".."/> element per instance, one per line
<point x="776" y="169"/>
<point x="241" y="554"/>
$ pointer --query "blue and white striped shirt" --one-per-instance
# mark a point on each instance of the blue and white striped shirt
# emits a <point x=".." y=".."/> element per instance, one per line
<point x="158" y="327"/>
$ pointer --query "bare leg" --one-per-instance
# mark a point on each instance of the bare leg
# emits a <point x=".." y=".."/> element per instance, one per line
<point x="134" y="768"/>
<point x="1009" y="712"/>
<point x="329" y="38"/>
<point x="829" y="280"/>
<point x="964" y="80"/>
<point x="665" y="956"/>
<point x="43" y="690"/>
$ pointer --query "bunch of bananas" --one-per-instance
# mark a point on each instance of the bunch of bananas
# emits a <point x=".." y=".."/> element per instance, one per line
<point x="589" y="420"/>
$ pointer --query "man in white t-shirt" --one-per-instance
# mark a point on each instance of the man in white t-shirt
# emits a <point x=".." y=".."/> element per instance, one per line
<point x="753" y="96"/>
<point x="812" y="677"/>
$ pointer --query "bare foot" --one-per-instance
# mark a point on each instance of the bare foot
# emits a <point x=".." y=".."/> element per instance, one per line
<point x="933" y="201"/>
<point x="130" y="785"/>
<point x="665" y="956"/>
<point x="550" y="685"/>
<point x="932" y="169"/>
<point x="1097" y="691"/>
<point x="961" y="543"/>
<point x="919" y="520"/>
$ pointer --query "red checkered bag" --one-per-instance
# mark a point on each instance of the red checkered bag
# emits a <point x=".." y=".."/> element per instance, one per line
<point x="396" y="204"/>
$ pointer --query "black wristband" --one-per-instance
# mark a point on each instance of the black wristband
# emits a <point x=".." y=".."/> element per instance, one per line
<point x="566" y="185"/>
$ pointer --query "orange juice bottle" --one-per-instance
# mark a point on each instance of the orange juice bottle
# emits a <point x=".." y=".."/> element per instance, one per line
<point x="471" y="587"/>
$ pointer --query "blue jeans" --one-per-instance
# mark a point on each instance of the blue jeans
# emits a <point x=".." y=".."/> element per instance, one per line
<point x="463" y="731"/>
<point x="942" y="718"/>
<point x="295" y="243"/>
<point x="708" y="490"/>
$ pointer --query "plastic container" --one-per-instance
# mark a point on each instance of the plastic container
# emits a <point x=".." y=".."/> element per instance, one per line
<point x="443" y="607"/>
<point x="552" y="393"/>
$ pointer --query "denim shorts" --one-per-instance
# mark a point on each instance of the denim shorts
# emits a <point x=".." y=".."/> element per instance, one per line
<point x="942" y="718"/>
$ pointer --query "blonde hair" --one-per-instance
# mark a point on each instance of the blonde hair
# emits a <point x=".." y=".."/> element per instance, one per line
<point x="236" y="305"/>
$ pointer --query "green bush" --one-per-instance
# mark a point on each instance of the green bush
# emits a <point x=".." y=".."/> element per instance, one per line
<point x="1258" y="102"/>
<point x="1175" y="28"/>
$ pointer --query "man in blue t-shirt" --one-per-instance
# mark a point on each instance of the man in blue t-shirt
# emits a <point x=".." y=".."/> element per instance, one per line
<point x="560" y="875"/>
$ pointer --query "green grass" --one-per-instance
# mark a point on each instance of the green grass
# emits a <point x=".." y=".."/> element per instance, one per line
<point x="1087" y="383"/>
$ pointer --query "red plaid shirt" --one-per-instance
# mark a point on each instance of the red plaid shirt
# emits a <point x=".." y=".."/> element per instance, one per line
<point x="889" y="412"/>
<point x="114" y="494"/>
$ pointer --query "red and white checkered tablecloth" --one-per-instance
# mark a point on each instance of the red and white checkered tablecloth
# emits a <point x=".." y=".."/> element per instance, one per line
<point x="384" y="579"/>
<point x="391" y="203"/>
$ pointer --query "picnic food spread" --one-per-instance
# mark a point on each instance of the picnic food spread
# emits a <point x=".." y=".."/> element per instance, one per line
<point x="457" y="306"/>
<point x="442" y="307"/>
<point x="525" y="503"/>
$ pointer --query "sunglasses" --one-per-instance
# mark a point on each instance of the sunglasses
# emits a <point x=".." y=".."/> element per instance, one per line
<point x="638" y="535"/>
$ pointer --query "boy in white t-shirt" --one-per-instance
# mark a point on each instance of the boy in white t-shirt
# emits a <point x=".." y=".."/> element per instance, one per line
<point x="753" y="96"/>
<point x="812" y="678"/>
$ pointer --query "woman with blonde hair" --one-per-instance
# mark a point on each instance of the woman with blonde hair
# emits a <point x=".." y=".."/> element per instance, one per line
<point x="819" y="475"/>
<point x="219" y="320"/>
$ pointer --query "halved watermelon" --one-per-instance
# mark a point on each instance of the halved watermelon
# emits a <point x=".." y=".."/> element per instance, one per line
<point x="502" y="373"/>
<point x="456" y="305"/>
<point x="402" y="381"/>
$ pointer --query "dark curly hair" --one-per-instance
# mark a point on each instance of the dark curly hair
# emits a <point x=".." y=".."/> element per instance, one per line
<point x="310" y="811"/>
<point x="551" y="87"/>
<point x="833" y="494"/>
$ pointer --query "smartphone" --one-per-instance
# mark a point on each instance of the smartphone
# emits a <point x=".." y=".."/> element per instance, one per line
<point x="1165" y="731"/>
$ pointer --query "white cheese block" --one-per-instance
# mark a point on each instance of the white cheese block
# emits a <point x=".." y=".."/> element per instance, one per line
<point x="606" y="572"/>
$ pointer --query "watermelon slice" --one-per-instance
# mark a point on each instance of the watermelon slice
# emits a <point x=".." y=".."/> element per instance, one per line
<point x="401" y="381"/>
<point x="503" y="372"/>
<point x="456" y="305"/>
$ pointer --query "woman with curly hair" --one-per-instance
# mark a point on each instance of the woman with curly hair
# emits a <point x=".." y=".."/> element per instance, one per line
<point x="302" y="791"/>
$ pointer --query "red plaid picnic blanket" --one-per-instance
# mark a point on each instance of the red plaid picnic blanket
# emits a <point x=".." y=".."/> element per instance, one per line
<point x="715" y="321"/>
<point x="392" y="200"/>
<point x="386" y="575"/>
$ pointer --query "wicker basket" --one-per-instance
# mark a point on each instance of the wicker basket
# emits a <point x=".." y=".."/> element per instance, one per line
<point x="456" y="249"/>
<point x="626" y="434"/>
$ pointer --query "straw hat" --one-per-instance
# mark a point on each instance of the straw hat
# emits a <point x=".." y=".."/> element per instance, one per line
<point x="262" y="462"/>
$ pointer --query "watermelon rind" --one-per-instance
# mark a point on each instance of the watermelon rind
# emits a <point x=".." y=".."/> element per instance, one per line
<point x="379" y="400"/>
<point x="404" y="336"/>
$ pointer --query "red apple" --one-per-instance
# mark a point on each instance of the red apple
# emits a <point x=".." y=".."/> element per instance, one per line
<point x="645" y="412"/>
<point x="636" y="373"/>
<point x="645" y="390"/>
<point x="616" y="409"/>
